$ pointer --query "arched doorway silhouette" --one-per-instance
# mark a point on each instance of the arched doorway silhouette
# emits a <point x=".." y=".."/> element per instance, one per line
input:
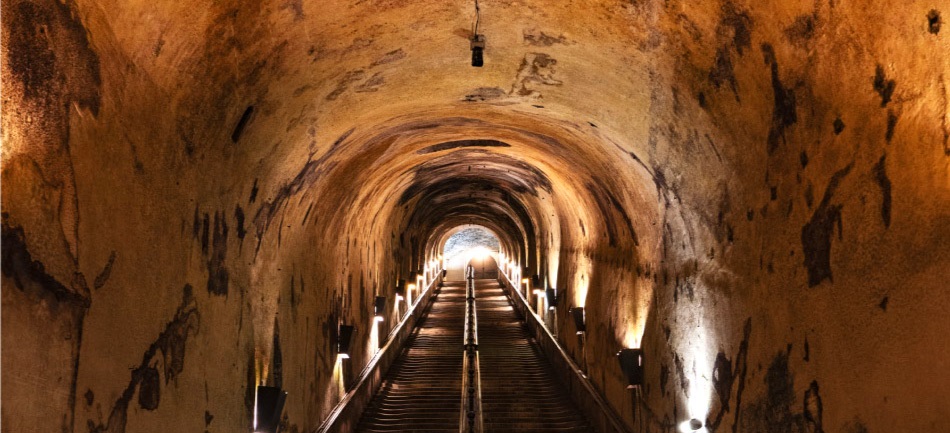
<point x="485" y="267"/>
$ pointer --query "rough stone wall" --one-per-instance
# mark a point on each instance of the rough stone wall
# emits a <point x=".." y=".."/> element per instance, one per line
<point x="195" y="195"/>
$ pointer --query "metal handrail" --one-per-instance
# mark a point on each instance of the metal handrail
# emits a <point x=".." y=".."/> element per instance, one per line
<point x="611" y="420"/>
<point x="470" y="416"/>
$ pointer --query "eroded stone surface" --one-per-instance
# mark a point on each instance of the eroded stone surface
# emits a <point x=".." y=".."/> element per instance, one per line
<point x="717" y="182"/>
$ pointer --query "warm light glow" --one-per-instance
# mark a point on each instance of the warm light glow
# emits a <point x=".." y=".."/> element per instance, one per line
<point x="343" y="356"/>
<point x="480" y="253"/>
<point x="338" y="376"/>
<point x="255" y="408"/>
<point x="700" y="384"/>
<point x="581" y="280"/>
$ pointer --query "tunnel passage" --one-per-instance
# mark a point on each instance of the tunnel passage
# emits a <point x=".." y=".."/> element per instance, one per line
<point x="517" y="390"/>
<point x="197" y="198"/>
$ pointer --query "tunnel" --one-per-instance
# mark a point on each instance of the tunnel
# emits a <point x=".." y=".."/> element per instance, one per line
<point x="751" y="197"/>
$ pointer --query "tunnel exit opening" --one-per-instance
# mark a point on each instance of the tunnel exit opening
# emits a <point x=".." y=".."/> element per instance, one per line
<point x="471" y="245"/>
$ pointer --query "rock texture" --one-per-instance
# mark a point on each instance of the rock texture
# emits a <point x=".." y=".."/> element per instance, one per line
<point x="758" y="194"/>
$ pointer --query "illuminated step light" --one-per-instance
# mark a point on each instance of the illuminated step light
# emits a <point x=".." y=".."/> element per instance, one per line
<point x="579" y="322"/>
<point x="631" y="363"/>
<point x="269" y="404"/>
<point x="346" y="338"/>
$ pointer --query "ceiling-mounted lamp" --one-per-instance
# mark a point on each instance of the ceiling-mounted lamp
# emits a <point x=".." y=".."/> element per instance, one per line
<point x="477" y="41"/>
<point x="579" y="322"/>
<point x="345" y="340"/>
<point x="268" y="405"/>
<point x="631" y="362"/>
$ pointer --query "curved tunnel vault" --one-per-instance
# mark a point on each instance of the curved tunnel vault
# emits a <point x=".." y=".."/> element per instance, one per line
<point x="754" y="194"/>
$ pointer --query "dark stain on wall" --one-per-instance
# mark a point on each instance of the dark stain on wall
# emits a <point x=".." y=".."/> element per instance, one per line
<point x="813" y="409"/>
<point x="934" y="21"/>
<point x="106" y="272"/>
<point x="722" y="383"/>
<point x="253" y="192"/>
<point x="49" y="52"/>
<point x="664" y="378"/>
<point x="307" y="176"/>
<point x="392" y="56"/>
<point x="217" y="270"/>
<point x="448" y="145"/>
<point x="735" y="33"/>
<point x="807" y="351"/>
<point x="816" y="234"/>
<point x="541" y="39"/>
<point x="741" y="24"/>
<point x="344" y="83"/>
<point x="801" y="30"/>
<point x="242" y="123"/>
<point x="150" y="389"/>
<point x="482" y="94"/>
<point x="773" y="412"/>
<point x="883" y="304"/>
<point x="208" y="418"/>
<point x="681" y="372"/>
<point x="171" y="343"/>
<point x="723" y="72"/>
<point x="26" y="273"/>
<point x="783" y="113"/>
<point x="239" y="222"/>
<point x="30" y="277"/>
<point x="891" y="123"/>
<point x="205" y="233"/>
<point x="880" y="175"/>
<point x="725" y="376"/>
<point x="536" y="69"/>
<point x="89" y="396"/>
<point x="883" y="86"/>
<point x="838" y="125"/>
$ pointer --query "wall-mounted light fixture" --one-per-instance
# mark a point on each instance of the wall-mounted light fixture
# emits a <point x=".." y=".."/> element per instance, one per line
<point x="631" y="362"/>
<point x="345" y="340"/>
<point x="477" y="41"/>
<point x="579" y="323"/>
<point x="268" y="405"/>
<point x="380" y="308"/>
<point x="551" y="294"/>
<point x="695" y="424"/>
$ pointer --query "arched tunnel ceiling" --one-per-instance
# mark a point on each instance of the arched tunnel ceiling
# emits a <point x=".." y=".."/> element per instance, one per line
<point x="738" y="181"/>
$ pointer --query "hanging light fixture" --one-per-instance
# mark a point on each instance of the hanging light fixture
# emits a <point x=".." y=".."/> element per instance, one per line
<point x="477" y="41"/>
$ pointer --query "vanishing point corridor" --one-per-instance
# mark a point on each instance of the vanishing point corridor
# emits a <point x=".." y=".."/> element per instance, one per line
<point x="423" y="389"/>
